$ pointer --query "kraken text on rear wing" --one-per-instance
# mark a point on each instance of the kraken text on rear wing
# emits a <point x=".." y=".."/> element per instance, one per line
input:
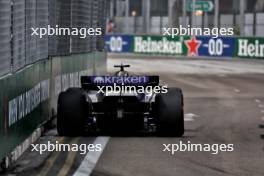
<point x="91" y="82"/>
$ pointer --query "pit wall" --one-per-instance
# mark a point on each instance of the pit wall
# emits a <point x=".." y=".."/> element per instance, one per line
<point x="28" y="98"/>
<point x="221" y="47"/>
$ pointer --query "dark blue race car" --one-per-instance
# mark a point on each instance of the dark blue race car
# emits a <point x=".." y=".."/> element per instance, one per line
<point x="120" y="102"/>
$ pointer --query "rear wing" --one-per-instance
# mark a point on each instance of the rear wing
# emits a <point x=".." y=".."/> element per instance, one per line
<point x="92" y="82"/>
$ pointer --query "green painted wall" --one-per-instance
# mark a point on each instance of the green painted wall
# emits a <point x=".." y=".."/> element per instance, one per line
<point x="29" y="96"/>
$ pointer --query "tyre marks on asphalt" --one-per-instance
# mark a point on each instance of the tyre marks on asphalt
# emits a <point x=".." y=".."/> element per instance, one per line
<point x="183" y="66"/>
<point x="69" y="160"/>
<point x="50" y="162"/>
<point x="260" y="105"/>
<point x="64" y="163"/>
<point x="225" y="117"/>
<point x="261" y="108"/>
<point x="229" y="95"/>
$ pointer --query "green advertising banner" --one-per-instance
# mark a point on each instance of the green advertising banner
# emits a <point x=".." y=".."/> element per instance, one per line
<point x="201" y="46"/>
<point x="29" y="96"/>
<point x="159" y="45"/>
<point x="250" y="48"/>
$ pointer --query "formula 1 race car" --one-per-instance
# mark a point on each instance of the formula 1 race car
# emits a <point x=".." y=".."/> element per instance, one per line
<point x="121" y="101"/>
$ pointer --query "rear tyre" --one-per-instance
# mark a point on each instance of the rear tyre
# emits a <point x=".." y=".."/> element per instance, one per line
<point x="71" y="112"/>
<point x="170" y="116"/>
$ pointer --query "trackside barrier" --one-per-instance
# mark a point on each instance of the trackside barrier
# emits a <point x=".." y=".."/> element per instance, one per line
<point x="28" y="97"/>
<point x="228" y="47"/>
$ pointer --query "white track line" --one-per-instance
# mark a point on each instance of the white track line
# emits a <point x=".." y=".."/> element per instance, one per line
<point x="190" y="117"/>
<point x="90" y="160"/>
<point x="261" y="105"/>
<point x="237" y="90"/>
<point x="222" y="75"/>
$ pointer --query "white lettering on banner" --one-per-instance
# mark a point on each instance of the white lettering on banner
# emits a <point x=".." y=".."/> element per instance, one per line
<point x="116" y="44"/>
<point x="57" y="84"/>
<point x="65" y="82"/>
<point x="71" y="80"/>
<point x="76" y="79"/>
<point x="215" y="47"/>
<point x="250" y="49"/>
<point x="25" y="103"/>
<point x="12" y="107"/>
<point x="21" y="106"/>
<point x="45" y="90"/>
<point x="162" y="46"/>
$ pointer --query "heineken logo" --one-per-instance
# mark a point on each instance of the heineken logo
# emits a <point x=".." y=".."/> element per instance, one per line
<point x="222" y="46"/>
<point x="162" y="46"/>
<point x="250" y="49"/>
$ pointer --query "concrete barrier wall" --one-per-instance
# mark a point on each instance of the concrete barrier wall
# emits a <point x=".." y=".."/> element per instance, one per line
<point x="28" y="97"/>
<point x="221" y="47"/>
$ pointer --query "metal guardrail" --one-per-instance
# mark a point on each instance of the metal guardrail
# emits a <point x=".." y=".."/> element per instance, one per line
<point x="31" y="74"/>
<point x="19" y="48"/>
<point x="5" y="32"/>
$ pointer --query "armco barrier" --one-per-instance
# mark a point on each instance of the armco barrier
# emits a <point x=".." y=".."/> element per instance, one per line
<point x="28" y="97"/>
<point x="227" y="47"/>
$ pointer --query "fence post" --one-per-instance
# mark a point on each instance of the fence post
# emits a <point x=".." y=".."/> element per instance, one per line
<point x="242" y="17"/>
<point x="216" y="14"/>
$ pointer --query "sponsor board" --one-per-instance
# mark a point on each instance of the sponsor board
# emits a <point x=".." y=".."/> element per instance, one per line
<point x="118" y="43"/>
<point x="29" y="97"/>
<point x="228" y="47"/>
<point x="250" y="48"/>
<point x="219" y="47"/>
<point x="192" y="45"/>
<point x="25" y="103"/>
<point x="158" y="45"/>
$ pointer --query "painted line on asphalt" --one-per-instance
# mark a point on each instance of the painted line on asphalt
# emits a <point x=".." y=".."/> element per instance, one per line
<point x="90" y="160"/>
<point x="261" y="105"/>
<point x="222" y="75"/>
<point x="190" y="117"/>
<point x="69" y="160"/>
<point x="261" y="110"/>
<point x="50" y="162"/>
<point x="237" y="90"/>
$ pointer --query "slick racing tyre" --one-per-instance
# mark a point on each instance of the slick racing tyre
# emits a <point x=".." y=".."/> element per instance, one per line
<point x="170" y="116"/>
<point x="71" y="112"/>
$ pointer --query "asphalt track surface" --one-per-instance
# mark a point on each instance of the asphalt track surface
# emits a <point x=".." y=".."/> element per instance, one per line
<point x="224" y="104"/>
